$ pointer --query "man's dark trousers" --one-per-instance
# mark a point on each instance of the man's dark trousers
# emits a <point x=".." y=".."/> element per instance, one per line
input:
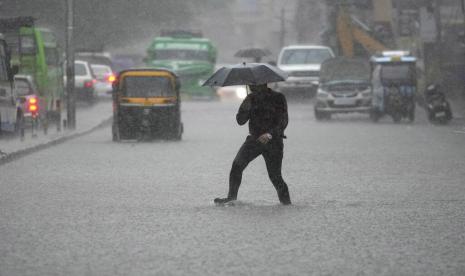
<point x="272" y="153"/>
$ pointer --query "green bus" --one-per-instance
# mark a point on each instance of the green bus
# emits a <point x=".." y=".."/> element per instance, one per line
<point x="189" y="55"/>
<point x="35" y="51"/>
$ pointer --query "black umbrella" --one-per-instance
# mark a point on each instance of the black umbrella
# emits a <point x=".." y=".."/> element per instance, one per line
<point x="246" y="74"/>
<point x="256" y="53"/>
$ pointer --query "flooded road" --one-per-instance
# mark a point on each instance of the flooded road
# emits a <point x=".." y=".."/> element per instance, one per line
<point x="367" y="198"/>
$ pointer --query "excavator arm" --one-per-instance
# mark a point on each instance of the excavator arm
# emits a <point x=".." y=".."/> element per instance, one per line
<point x="370" y="44"/>
<point x="344" y="34"/>
<point x="349" y="33"/>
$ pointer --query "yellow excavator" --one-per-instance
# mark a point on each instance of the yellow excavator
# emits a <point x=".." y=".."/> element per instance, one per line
<point x="351" y="32"/>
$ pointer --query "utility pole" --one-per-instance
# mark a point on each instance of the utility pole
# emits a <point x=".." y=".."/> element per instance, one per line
<point x="437" y="18"/>
<point x="71" y="98"/>
<point x="463" y="12"/>
<point x="430" y="33"/>
<point x="438" y="42"/>
<point x="282" y="31"/>
<point x="301" y="25"/>
<point x="462" y="8"/>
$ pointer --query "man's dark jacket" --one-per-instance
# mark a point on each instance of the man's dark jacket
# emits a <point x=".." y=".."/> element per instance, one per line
<point x="266" y="112"/>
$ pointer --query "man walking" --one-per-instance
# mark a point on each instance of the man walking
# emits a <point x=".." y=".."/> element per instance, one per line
<point x="266" y="111"/>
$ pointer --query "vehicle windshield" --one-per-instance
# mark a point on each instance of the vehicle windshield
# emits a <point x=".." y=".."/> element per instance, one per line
<point x="28" y="44"/>
<point x="144" y="87"/>
<point x="397" y="73"/>
<point x="305" y="56"/>
<point x="181" y="54"/>
<point x="22" y="87"/>
<point x="51" y="56"/>
<point x="80" y="69"/>
<point x="101" y="71"/>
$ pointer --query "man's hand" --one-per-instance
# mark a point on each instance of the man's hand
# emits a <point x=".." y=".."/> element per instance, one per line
<point x="264" y="138"/>
<point x="246" y="104"/>
<point x="243" y="115"/>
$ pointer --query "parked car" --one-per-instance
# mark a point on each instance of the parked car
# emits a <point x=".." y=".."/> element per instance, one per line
<point x="104" y="79"/>
<point x="302" y="63"/>
<point x="31" y="106"/>
<point x="344" y="87"/>
<point x="84" y="81"/>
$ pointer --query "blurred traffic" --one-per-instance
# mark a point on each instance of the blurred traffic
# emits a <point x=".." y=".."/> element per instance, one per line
<point x="351" y="68"/>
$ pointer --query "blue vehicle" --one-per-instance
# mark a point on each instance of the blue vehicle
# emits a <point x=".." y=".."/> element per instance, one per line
<point x="394" y="84"/>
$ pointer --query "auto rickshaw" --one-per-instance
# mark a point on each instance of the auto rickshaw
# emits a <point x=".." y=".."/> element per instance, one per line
<point x="394" y="84"/>
<point x="146" y="105"/>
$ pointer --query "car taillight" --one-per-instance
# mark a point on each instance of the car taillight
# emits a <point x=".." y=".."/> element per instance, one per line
<point x="32" y="101"/>
<point x="89" y="84"/>
<point x="32" y="106"/>
<point x="111" y="78"/>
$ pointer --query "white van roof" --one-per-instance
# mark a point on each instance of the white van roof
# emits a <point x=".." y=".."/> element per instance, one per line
<point x="305" y="47"/>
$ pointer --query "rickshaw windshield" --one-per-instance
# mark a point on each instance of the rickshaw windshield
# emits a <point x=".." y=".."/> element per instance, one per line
<point x="147" y="86"/>
<point x="398" y="74"/>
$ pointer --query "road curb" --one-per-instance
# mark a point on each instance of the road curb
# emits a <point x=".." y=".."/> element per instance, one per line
<point x="9" y="157"/>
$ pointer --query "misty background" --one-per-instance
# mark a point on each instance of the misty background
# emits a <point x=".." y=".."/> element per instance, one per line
<point x="129" y="26"/>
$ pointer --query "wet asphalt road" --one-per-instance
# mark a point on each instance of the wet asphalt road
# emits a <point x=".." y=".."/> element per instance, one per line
<point x="369" y="199"/>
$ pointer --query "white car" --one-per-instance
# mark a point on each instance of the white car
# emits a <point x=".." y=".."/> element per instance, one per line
<point x="84" y="81"/>
<point x="302" y="63"/>
<point x="104" y="79"/>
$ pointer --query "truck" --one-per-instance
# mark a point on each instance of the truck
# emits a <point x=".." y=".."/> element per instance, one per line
<point x="188" y="54"/>
<point x="35" y="52"/>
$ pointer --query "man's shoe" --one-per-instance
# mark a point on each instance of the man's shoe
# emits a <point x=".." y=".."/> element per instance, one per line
<point x="222" y="201"/>
<point x="286" y="202"/>
<point x="284" y="198"/>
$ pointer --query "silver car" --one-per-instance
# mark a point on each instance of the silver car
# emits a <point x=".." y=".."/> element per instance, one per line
<point x="344" y="88"/>
<point x="104" y="79"/>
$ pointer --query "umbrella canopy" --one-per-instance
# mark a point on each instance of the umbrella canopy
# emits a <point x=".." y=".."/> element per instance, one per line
<point x="252" y="53"/>
<point x="246" y="74"/>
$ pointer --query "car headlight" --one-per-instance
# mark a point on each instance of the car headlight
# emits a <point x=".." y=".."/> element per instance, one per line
<point x="322" y="94"/>
<point x="241" y="92"/>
